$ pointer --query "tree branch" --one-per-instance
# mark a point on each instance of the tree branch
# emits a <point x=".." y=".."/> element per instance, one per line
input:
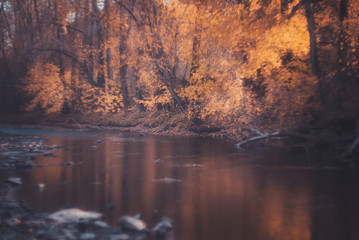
<point x="8" y="28"/>
<point x="257" y="138"/>
<point x="291" y="134"/>
<point x="174" y="95"/>
<point x="119" y="2"/>
<point x="352" y="147"/>
<point x="295" y="9"/>
<point x="172" y="92"/>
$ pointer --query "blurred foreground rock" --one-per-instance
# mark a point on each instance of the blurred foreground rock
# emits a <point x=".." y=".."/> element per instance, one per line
<point x="74" y="215"/>
<point x="17" y="221"/>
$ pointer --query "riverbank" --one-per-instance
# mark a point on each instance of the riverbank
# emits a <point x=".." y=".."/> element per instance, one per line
<point x="333" y="136"/>
<point x="159" y="123"/>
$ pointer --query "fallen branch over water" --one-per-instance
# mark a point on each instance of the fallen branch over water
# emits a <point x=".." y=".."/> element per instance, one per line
<point x="352" y="147"/>
<point x="257" y="138"/>
<point x="79" y="125"/>
<point x="297" y="135"/>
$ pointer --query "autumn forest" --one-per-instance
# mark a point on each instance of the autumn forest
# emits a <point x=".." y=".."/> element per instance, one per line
<point x="179" y="119"/>
<point x="275" y="63"/>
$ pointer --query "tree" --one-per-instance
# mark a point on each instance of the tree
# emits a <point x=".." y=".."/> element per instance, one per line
<point x="314" y="59"/>
<point x="224" y="62"/>
<point x="342" y="38"/>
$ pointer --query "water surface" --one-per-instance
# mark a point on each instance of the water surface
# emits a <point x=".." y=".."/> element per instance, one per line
<point x="209" y="188"/>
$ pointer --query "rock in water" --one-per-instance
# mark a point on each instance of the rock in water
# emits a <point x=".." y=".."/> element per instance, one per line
<point x="87" y="236"/>
<point x="74" y="215"/>
<point x="41" y="186"/>
<point x="68" y="163"/>
<point x="13" y="221"/>
<point x="100" y="224"/>
<point x="14" y="180"/>
<point x="29" y="164"/>
<point x="48" y="154"/>
<point x="163" y="227"/>
<point x="121" y="236"/>
<point x="93" y="147"/>
<point x="132" y="224"/>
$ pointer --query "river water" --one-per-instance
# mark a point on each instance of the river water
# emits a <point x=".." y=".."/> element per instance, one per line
<point x="209" y="188"/>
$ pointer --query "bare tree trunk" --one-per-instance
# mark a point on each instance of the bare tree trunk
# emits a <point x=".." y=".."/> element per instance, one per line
<point x="88" y="38"/>
<point x="313" y="38"/>
<point x="342" y="37"/>
<point x="196" y="44"/>
<point x="100" y="46"/>
<point x="6" y="63"/>
<point x="75" y="73"/>
<point x="101" y="57"/>
<point x="123" y="74"/>
<point x="37" y="18"/>
<point x="109" y="64"/>
<point x="314" y="59"/>
<point x="8" y="27"/>
<point x="30" y="27"/>
<point x="138" y="94"/>
<point x="283" y="6"/>
<point x="59" y="33"/>
<point x="123" y="60"/>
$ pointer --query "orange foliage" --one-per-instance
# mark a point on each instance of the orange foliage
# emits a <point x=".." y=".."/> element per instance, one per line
<point x="214" y="56"/>
<point x="46" y="87"/>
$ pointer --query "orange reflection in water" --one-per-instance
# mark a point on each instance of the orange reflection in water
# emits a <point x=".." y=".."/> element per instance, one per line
<point x="211" y="195"/>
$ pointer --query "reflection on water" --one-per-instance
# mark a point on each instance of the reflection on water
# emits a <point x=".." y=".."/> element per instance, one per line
<point x="208" y="188"/>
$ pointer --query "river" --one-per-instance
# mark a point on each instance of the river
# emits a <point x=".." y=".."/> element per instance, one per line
<point x="209" y="188"/>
